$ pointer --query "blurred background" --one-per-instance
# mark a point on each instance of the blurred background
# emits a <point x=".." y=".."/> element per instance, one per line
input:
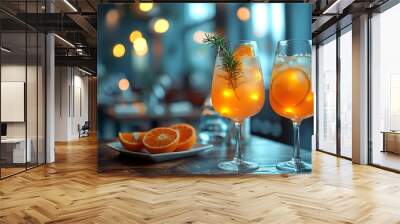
<point x="153" y="68"/>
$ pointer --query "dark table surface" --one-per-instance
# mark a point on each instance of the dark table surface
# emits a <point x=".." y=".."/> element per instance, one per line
<point x="260" y="150"/>
<point x="193" y="114"/>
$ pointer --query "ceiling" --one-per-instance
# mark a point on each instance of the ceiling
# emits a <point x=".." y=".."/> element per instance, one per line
<point x="76" y="22"/>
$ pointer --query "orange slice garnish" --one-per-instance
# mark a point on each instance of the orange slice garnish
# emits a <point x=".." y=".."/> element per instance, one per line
<point x="290" y="86"/>
<point x="161" y="140"/>
<point x="132" y="141"/>
<point x="243" y="51"/>
<point x="187" y="136"/>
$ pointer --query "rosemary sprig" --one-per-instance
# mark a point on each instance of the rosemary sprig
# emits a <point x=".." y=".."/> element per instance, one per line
<point x="229" y="63"/>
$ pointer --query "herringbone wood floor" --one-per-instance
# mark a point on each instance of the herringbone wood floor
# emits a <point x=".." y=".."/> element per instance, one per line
<point x="70" y="191"/>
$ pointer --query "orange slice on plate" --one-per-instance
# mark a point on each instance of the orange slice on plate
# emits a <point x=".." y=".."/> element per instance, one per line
<point x="161" y="140"/>
<point x="132" y="141"/>
<point x="243" y="51"/>
<point x="187" y="136"/>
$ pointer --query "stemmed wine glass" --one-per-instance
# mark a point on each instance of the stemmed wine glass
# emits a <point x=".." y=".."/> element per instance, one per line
<point x="238" y="96"/>
<point x="291" y="94"/>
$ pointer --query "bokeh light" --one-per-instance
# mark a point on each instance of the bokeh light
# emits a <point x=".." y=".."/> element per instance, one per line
<point x="289" y="110"/>
<point x="254" y="96"/>
<point x="123" y="84"/>
<point x="225" y="110"/>
<point x="243" y="13"/>
<point x="134" y="35"/>
<point x="161" y="25"/>
<point x="112" y="18"/>
<point x="140" y="46"/>
<point x="201" y="12"/>
<point x="146" y="7"/>
<point x="118" y="50"/>
<point x="260" y="23"/>
<point x="310" y="97"/>
<point x="227" y="93"/>
<point x="198" y="36"/>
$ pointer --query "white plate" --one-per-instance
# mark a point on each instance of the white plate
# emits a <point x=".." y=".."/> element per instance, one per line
<point x="197" y="148"/>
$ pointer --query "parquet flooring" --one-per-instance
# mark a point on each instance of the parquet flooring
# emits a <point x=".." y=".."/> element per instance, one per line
<point x="10" y="171"/>
<point x="71" y="191"/>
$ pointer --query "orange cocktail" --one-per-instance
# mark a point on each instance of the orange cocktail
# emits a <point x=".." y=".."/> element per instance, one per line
<point x="291" y="94"/>
<point x="238" y="93"/>
<point x="242" y="99"/>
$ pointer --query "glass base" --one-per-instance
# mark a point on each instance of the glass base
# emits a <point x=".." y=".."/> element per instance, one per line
<point x="291" y="166"/>
<point x="234" y="166"/>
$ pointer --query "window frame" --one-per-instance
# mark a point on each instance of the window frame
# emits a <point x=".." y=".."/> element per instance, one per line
<point x="333" y="37"/>
<point x="379" y="10"/>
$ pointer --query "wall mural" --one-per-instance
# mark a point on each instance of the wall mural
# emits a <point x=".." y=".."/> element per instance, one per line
<point x="206" y="88"/>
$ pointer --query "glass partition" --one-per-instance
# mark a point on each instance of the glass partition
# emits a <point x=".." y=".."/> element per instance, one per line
<point x="346" y="93"/>
<point x="31" y="97"/>
<point x="22" y="91"/>
<point x="14" y="145"/>
<point x="41" y="96"/>
<point x="385" y="89"/>
<point x="327" y="96"/>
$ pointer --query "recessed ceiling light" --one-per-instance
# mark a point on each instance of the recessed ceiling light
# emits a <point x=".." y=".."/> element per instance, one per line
<point x="84" y="71"/>
<point x="64" y="40"/>
<point x="338" y="6"/>
<point x="70" y="5"/>
<point x="5" y="50"/>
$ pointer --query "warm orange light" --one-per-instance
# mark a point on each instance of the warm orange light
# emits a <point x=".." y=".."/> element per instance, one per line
<point x="142" y="52"/>
<point x="198" y="37"/>
<point x="310" y="97"/>
<point x="243" y="13"/>
<point x="123" y="84"/>
<point x="140" y="107"/>
<point x="289" y="110"/>
<point x="293" y="77"/>
<point x="112" y="18"/>
<point x="161" y="25"/>
<point x="134" y="35"/>
<point x="140" y="46"/>
<point x="227" y="93"/>
<point x="118" y="50"/>
<point x="225" y="110"/>
<point x="237" y="104"/>
<point x="254" y="96"/>
<point x="146" y="7"/>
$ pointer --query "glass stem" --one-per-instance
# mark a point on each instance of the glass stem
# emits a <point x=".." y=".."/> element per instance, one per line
<point x="238" y="152"/>
<point x="296" y="143"/>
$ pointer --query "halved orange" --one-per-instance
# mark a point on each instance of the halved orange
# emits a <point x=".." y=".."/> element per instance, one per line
<point x="187" y="136"/>
<point x="243" y="51"/>
<point x="132" y="141"/>
<point x="290" y="86"/>
<point x="161" y="140"/>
